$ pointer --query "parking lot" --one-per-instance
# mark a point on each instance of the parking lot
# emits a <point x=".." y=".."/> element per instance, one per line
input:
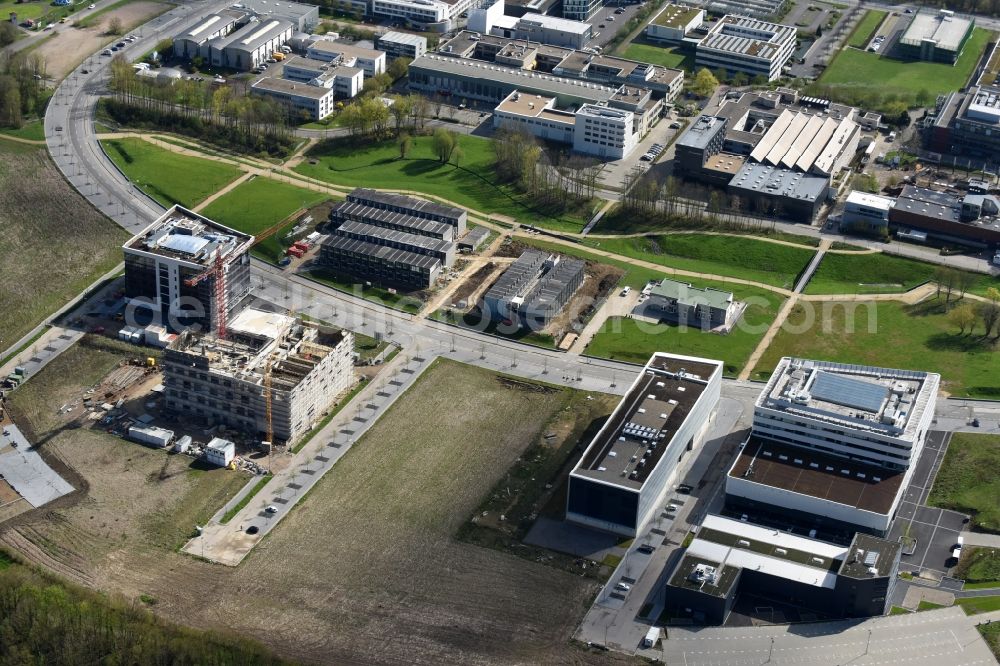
<point x="934" y="530"/>
<point x="604" y="29"/>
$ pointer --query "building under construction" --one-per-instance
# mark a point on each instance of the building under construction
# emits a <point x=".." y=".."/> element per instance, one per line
<point x="273" y="376"/>
<point x="187" y="269"/>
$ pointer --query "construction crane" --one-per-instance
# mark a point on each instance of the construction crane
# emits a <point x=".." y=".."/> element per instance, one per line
<point x="218" y="271"/>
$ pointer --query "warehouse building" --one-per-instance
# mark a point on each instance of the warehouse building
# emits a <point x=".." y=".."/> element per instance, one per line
<point x="370" y="61"/>
<point x="381" y="265"/>
<point x="454" y="217"/>
<point x="972" y="220"/>
<point x="741" y="44"/>
<point x="626" y="471"/>
<point x="680" y="303"/>
<point x="866" y="213"/>
<point x="191" y="41"/>
<point x="302" y="17"/>
<point x="533" y="289"/>
<point x="442" y="250"/>
<point x="348" y="211"/>
<point x="730" y="557"/>
<point x="674" y="22"/>
<point x="222" y="382"/>
<point x="172" y="268"/>
<point x="401" y="45"/>
<point x="302" y="99"/>
<point x="779" y="191"/>
<point x="936" y="37"/>
<point x="249" y="46"/>
<point x="834" y="444"/>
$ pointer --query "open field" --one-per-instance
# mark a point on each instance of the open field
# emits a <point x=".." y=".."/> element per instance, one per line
<point x="366" y="568"/>
<point x="865" y="29"/>
<point x="665" y="56"/>
<point x="968" y="482"/>
<point x="37" y="206"/>
<point x="976" y="605"/>
<point x="871" y="73"/>
<point x="881" y="273"/>
<point x="472" y="183"/>
<point x="166" y="176"/>
<point x="730" y="256"/>
<point x="259" y="204"/>
<point x="72" y="45"/>
<point x="889" y="334"/>
<point x="635" y="341"/>
<point x="991" y="632"/>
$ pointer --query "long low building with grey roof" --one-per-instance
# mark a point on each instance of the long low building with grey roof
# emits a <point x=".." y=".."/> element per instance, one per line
<point x="626" y="471"/>
<point x="420" y="208"/>
<point x="344" y="211"/>
<point x="381" y="265"/>
<point x="443" y="251"/>
<point x="249" y="46"/>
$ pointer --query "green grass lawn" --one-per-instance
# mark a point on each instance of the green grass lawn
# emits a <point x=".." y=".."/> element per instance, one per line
<point x="928" y="605"/>
<point x="625" y="339"/>
<point x="524" y="335"/>
<point x="259" y="204"/>
<point x="472" y="183"/>
<point x="168" y="177"/>
<point x="670" y="56"/>
<point x="968" y="482"/>
<point x="889" y="334"/>
<point x="33" y="130"/>
<point x="25" y="10"/>
<point x="976" y="605"/>
<point x="878" y="74"/>
<point x="730" y="256"/>
<point x="899" y="610"/>
<point x="878" y="273"/>
<point x="980" y="567"/>
<point x="865" y="29"/>
<point x="991" y="633"/>
<point x="400" y="301"/>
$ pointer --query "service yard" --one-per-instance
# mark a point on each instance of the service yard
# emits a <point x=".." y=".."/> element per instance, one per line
<point x="366" y="568"/>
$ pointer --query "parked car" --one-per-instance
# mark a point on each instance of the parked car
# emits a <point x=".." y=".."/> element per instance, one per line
<point x="271" y="508"/>
<point x="646" y="548"/>
<point x="91" y="6"/>
<point x="675" y="125"/>
<point x="626" y="291"/>
<point x="622" y="587"/>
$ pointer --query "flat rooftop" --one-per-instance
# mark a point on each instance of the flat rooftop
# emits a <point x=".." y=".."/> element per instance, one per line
<point x="676" y="16"/>
<point x="381" y="252"/>
<point x="701" y="132"/>
<point x="706" y="576"/>
<point x="739" y="35"/>
<point x="777" y="181"/>
<point x="725" y="163"/>
<point x="418" y="225"/>
<point x="280" y="9"/>
<point x="859" y="198"/>
<point x="946" y="30"/>
<point x="527" y="105"/>
<point x="403" y="38"/>
<point x="556" y="23"/>
<point x="286" y="87"/>
<point x="186" y="236"/>
<point x="688" y="294"/>
<point x="251" y="36"/>
<point x="632" y="441"/>
<point x="860" y="397"/>
<point x="808" y="472"/>
<point x="929" y="203"/>
<point x="869" y="556"/>
<point x="403" y="203"/>
<point x="346" y="50"/>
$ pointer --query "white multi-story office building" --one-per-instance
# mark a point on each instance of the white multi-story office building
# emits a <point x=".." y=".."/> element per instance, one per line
<point x="741" y="44"/>
<point x="604" y="132"/>
<point x="314" y="102"/>
<point x="435" y="15"/>
<point x="370" y="61"/>
<point x="401" y="45"/>
<point x="835" y="440"/>
<point x="866" y="213"/>
<point x="632" y="462"/>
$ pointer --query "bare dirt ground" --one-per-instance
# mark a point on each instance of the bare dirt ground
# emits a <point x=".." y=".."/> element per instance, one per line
<point x="366" y="570"/>
<point x="71" y="45"/>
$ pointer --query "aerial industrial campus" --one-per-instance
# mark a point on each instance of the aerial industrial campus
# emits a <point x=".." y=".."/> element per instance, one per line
<point x="500" y="332"/>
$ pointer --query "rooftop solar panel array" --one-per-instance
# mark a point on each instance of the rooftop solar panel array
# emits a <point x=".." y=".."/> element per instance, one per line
<point x="848" y="392"/>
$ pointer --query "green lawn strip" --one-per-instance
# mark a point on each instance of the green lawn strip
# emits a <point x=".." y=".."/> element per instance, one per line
<point x="865" y="29"/>
<point x="928" y="605"/>
<point x="993" y="584"/>
<point x="976" y="605"/>
<point x="257" y="205"/>
<point x="671" y="57"/>
<point x="899" y="610"/>
<point x="865" y="71"/>
<point x="246" y="499"/>
<point x="888" y="334"/>
<point x="878" y="273"/>
<point x="166" y="176"/>
<point x="729" y="256"/>
<point x="33" y="130"/>
<point x="472" y="183"/>
<point x="967" y="482"/>
<point x="991" y="633"/>
<point x="399" y="301"/>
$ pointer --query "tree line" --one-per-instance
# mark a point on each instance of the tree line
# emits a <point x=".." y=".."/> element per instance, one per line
<point x="22" y="93"/>
<point x="226" y="115"/>
<point x="45" y="621"/>
<point x="964" y="315"/>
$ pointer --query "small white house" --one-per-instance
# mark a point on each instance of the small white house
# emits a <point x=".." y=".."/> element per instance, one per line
<point x="220" y="452"/>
